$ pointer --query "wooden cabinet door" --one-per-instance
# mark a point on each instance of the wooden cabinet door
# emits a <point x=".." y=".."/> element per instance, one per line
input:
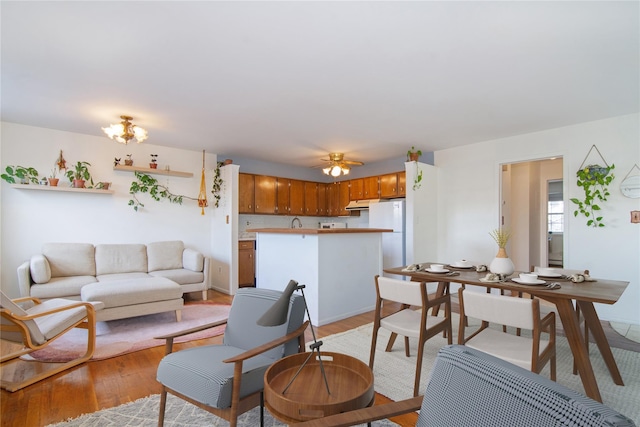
<point x="246" y="264"/>
<point x="323" y="202"/>
<point x="343" y="197"/>
<point x="282" y="206"/>
<point x="371" y="186"/>
<point x="296" y="197"/>
<point x="402" y="184"/>
<point x="246" y="193"/>
<point x="356" y="189"/>
<point x="265" y="194"/>
<point x="333" y="199"/>
<point x="311" y="198"/>
<point x="389" y="186"/>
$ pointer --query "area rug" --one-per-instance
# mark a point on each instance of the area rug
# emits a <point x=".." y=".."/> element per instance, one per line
<point x="117" y="337"/>
<point x="144" y="412"/>
<point x="394" y="373"/>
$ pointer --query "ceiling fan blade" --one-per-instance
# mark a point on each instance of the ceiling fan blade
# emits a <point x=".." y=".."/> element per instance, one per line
<point x="353" y="162"/>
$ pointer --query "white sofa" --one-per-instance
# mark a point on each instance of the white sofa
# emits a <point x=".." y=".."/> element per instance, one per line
<point x="130" y="279"/>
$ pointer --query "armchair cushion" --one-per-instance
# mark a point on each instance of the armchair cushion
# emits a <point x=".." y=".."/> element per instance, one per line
<point x="165" y="255"/>
<point x="40" y="269"/>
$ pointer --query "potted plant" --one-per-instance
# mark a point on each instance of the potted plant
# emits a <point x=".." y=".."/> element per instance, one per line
<point x="594" y="180"/>
<point x="128" y="161"/>
<point x="217" y="183"/>
<point x="53" y="178"/>
<point x="78" y="174"/>
<point x="24" y="175"/>
<point x="154" y="161"/>
<point x="501" y="264"/>
<point x="413" y="155"/>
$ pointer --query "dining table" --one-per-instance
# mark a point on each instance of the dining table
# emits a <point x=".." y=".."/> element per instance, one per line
<point x="584" y="294"/>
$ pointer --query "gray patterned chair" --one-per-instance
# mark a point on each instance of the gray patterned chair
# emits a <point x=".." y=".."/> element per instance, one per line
<point x="227" y="379"/>
<point x="470" y="388"/>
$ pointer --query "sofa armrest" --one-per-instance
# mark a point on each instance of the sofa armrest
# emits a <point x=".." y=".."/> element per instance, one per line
<point x="24" y="279"/>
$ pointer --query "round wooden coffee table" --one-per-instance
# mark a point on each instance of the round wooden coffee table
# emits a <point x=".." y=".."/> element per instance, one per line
<point x="350" y="383"/>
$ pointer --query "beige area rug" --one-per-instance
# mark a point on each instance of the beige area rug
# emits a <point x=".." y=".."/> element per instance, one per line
<point x="144" y="413"/>
<point x="394" y="373"/>
<point x="117" y="337"/>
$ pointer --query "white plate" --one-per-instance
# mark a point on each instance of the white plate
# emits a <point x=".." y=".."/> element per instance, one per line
<point x="444" y="270"/>
<point x="482" y="279"/>
<point x="460" y="266"/>
<point x="522" y="282"/>
<point x="550" y="275"/>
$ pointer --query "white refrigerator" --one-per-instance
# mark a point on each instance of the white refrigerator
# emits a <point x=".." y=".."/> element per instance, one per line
<point x="390" y="215"/>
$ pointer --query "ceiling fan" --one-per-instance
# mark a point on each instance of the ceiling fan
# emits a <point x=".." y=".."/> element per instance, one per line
<point x="338" y="165"/>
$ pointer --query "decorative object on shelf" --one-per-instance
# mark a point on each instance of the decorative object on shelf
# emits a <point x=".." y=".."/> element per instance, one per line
<point x="413" y="155"/>
<point x="217" y="183"/>
<point x="116" y="161"/>
<point x="594" y="180"/>
<point x="125" y="131"/>
<point x="154" y="161"/>
<point x="53" y="178"/>
<point x="128" y="161"/>
<point x="79" y="174"/>
<point x="202" y="195"/>
<point x="61" y="163"/>
<point x="147" y="184"/>
<point x="635" y="217"/>
<point x="228" y="162"/>
<point x="630" y="185"/>
<point x="501" y="264"/>
<point x="24" y="175"/>
<point x="338" y="165"/>
<point x="102" y="185"/>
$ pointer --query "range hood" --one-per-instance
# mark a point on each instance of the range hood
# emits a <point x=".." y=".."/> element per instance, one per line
<point x="360" y="205"/>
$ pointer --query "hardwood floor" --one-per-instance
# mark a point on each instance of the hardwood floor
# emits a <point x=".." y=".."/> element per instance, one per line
<point x="112" y="382"/>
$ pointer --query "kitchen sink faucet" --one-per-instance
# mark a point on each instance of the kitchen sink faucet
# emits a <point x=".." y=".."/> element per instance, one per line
<point x="293" y="222"/>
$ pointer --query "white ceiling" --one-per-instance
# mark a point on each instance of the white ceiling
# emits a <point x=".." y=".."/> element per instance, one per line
<point x="292" y="81"/>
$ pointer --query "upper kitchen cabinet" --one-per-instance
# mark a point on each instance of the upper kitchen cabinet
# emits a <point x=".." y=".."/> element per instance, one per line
<point x="323" y="201"/>
<point x="402" y="184"/>
<point x="371" y="187"/>
<point x="343" y="198"/>
<point x="283" y="194"/>
<point x="246" y="193"/>
<point x="356" y="189"/>
<point x="389" y="185"/>
<point x="265" y="194"/>
<point x="310" y="198"/>
<point x="296" y="197"/>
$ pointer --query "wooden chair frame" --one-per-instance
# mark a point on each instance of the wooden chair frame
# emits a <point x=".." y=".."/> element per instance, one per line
<point x="18" y="325"/>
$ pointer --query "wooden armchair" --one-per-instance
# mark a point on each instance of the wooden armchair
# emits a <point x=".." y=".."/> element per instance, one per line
<point x="38" y="326"/>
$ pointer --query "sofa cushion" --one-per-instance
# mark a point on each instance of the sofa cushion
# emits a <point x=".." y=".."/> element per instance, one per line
<point x="123" y="258"/>
<point x="165" y="255"/>
<point x="39" y="269"/>
<point x="70" y="259"/>
<point x="130" y="292"/>
<point x="192" y="260"/>
<point x="121" y="276"/>
<point x="181" y="276"/>
<point x="61" y="287"/>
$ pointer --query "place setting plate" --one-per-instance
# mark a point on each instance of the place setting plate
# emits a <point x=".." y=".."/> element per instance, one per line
<point x="551" y="275"/>
<point x="444" y="270"/>
<point x="522" y="282"/>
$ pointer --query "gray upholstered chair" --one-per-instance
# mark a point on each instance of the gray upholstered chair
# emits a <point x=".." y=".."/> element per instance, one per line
<point x="470" y="388"/>
<point x="36" y="327"/>
<point x="227" y="379"/>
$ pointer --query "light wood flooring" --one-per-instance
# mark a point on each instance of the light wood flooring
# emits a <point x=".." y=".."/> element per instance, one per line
<point x="112" y="382"/>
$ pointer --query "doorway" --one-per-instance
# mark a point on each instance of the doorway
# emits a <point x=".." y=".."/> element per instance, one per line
<point x="525" y="210"/>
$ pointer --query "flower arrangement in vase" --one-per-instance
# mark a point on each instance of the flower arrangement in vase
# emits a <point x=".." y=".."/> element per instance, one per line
<point x="501" y="264"/>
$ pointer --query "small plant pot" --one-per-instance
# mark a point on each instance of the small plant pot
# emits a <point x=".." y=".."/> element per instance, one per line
<point x="414" y="157"/>
<point x="153" y="165"/>
<point x="104" y="185"/>
<point x="53" y="182"/>
<point x="78" y="183"/>
<point x="128" y="162"/>
<point x="228" y="162"/>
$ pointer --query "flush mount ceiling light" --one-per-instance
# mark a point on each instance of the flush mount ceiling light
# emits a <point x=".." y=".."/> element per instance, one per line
<point x="126" y="131"/>
<point x="338" y="165"/>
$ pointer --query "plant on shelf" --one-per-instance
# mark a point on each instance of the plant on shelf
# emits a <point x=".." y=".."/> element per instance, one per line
<point x="147" y="184"/>
<point x="154" y="161"/>
<point x="217" y="184"/>
<point x="79" y="174"/>
<point x="53" y="178"/>
<point x="128" y="161"/>
<point x="594" y="180"/>
<point x="24" y="175"/>
<point x="413" y="155"/>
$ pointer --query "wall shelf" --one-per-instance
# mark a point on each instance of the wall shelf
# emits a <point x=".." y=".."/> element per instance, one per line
<point x="63" y="189"/>
<point x="152" y="171"/>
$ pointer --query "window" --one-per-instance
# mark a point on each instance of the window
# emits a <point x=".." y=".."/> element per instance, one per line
<point x="555" y="216"/>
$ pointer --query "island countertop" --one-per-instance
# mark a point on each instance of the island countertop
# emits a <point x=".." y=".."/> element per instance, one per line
<point x="319" y="230"/>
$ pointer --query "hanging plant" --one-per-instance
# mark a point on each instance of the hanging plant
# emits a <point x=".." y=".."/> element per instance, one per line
<point x="594" y="180"/>
<point x="147" y="184"/>
<point x="217" y="184"/>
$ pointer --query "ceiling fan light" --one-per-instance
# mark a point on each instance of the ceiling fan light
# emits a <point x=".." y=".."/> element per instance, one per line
<point x="125" y="131"/>
<point x="346" y="170"/>
<point x="335" y="171"/>
<point x="327" y="170"/>
<point x="140" y="134"/>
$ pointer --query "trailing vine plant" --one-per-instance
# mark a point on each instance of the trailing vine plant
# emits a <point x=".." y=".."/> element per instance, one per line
<point x="217" y="184"/>
<point x="594" y="180"/>
<point x="147" y="184"/>
<point x="23" y="173"/>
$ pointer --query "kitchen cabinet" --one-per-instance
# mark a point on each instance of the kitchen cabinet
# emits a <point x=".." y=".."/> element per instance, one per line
<point x="246" y="263"/>
<point x="296" y="197"/>
<point x="402" y="184"/>
<point x="246" y="193"/>
<point x="282" y="196"/>
<point x="371" y="187"/>
<point x="343" y="198"/>
<point x="310" y="198"/>
<point x="356" y="189"/>
<point x="323" y="203"/>
<point x="265" y="194"/>
<point x="389" y="185"/>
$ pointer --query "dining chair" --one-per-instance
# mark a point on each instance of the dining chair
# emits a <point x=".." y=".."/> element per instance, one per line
<point x="532" y="352"/>
<point x="37" y="326"/>
<point x="228" y="379"/>
<point x="406" y="320"/>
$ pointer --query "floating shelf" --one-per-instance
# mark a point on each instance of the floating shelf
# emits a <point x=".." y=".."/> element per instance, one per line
<point x="63" y="189"/>
<point x="152" y="171"/>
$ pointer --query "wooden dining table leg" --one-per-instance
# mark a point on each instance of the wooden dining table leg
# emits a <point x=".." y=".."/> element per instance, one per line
<point x="595" y="328"/>
<point x="571" y="327"/>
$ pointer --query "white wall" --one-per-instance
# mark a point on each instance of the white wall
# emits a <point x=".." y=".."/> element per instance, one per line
<point x="468" y="202"/>
<point x="31" y="218"/>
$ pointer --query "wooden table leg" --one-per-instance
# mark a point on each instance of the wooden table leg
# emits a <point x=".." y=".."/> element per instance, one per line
<point x="576" y="342"/>
<point x="595" y="327"/>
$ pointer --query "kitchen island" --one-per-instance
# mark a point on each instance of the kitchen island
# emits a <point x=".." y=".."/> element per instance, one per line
<point x="336" y="265"/>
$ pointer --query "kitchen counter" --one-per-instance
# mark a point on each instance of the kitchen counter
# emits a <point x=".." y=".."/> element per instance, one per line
<point x="318" y="230"/>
